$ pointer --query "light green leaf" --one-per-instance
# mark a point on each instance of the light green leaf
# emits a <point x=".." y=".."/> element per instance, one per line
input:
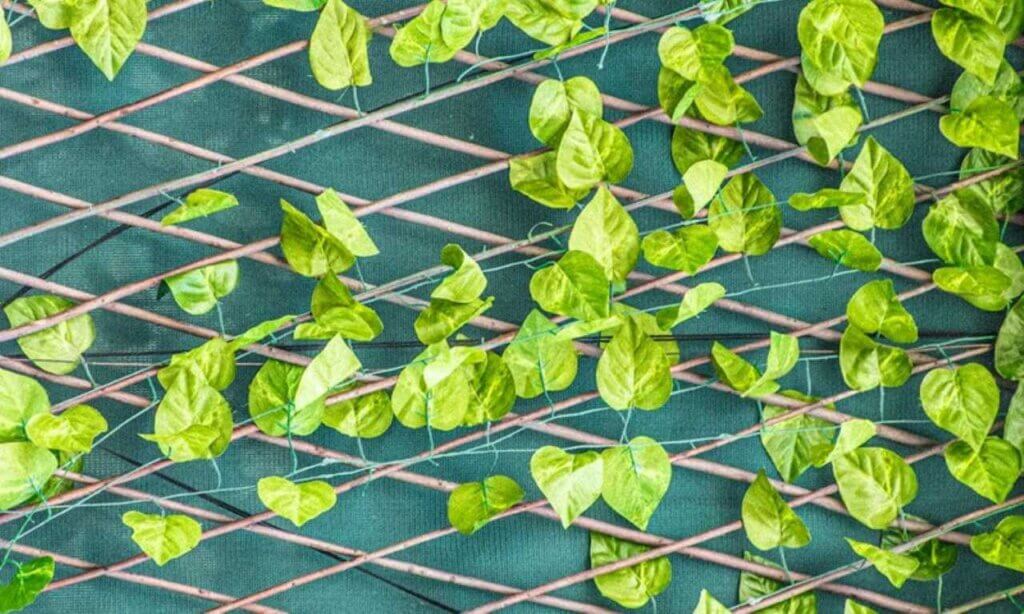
<point x="366" y="417"/>
<point x="709" y="605"/>
<point x="973" y="43"/>
<point x="852" y="607"/>
<point x="1010" y="344"/>
<point x="337" y="312"/>
<point x="302" y="6"/>
<point x="935" y="558"/>
<point x="442" y="318"/>
<point x="577" y="162"/>
<point x="740" y="375"/>
<point x="867" y="364"/>
<point x="212" y="364"/>
<point x="991" y="11"/>
<point x="897" y="568"/>
<point x="826" y="125"/>
<point x="27" y="467"/>
<point x="827" y="198"/>
<point x="606" y="231"/>
<point x="574" y="286"/>
<point x="694" y="302"/>
<point x="768" y="520"/>
<point x="745" y="216"/>
<point x="1004" y="546"/>
<point x="549" y="21"/>
<point x="1007" y="87"/>
<point x="736" y="372"/>
<point x="193" y="421"/>
<point x="991" y="470"/>
<point x="874" y="484"/>
<point x="570" y="482"/>
<point x="72" y="431"/>
<point x="1002" y="194"/>
<point x="299" y="503"/>
<point x="256" y="333"/>
<point x="6" y="42"/>
<point x="309" y="248"/>
<point x="540" y="360"/>
<point x="422" y="39"/>
<point x="28" y="581"/>
<point x="852" y="435"/>
<point x="690" y="146"/>
<point x="875" y="308"/>
<point x="633" y="371"/>
<point x="987" y="123"/>
<point x="272" y="401"/>
<point x="21" y="398"/>
<point x="332" y="366"/>
<point x="338" y="52"/>
<point x="437" y="387"/>
<point x="554" y="102"/>
<point x="686" y="51"/>
<point x="985" y="287"/>
<point x="1013" y="426"/>
<point x="752" y="587"/>
<point x="961" y="232"/>
<point x="798" y="443"/>
<point x="54" y="14"/>
<point x="722" y="101"/>
<point x="886" y="185"/>
<point x="343" y="225"/>
<point x="700" y="184"/>
<point x="494" y="391"/>
<point x="648" y="323"/>
<point x="840" y="40"/>
<point x="163" y="538"/>
<point x="200" y="203"/>
<point x="612" y="146"/>
<point x="636" y="478"/>
<point x="724" y="11"/>
<point x="59" y="348"/>
<point x="537" y="178"/>
<point x="474" y="504"/>
<point x="108" y="30"/>
<point x="199" y="290"/>
<point x="963" y="401"/>
<point x="633" y="586"/>
<point x="848" y="248"/>
<point x="686" y="249"/>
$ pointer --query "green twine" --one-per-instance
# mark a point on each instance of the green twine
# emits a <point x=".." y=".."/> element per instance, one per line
<point x="607" y="34"/>
<point x="881" y="402"/>
<point x="750" y="273"/>
<point x="355" y="100"/>
<point x="88" y="372"/>
<point x="785" y="566"/>
<point x="220" y="319"/>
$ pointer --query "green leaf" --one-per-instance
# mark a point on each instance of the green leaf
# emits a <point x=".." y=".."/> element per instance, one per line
<point x="199" y="290"/>
<point x="740" y="375"/>
<point x="72" y="431"/>
<point x="1010" y="344"/>
<point x="21" y="398"/>
<point x="991" y="11"/>
<point x="700" y="184"/>
<point x="985" y="287"/>
<point x="633" y="586"/>
<point x="606" y="231"/>
<point x="973" y="43"/>
<point x="686" y="249"/>
<point x="1002" y="194"/>
<point x="724" y="11"/>
<point x="212" y="364"/>
<point x="874" y="484"/>
<point x="826" y="125"/>
<point x="54" y="14"/>
<point x="745" y="216"/>
<point x="425" y="38"/>
<point x="753" y="587"/>
<point x="28" y="581"/>
<point x="798" y="443"/>
<point x="537" y="179"/>
<point x="108" y="30"/>
<point x="935" y="558"/>
<point x="961" y="232"/>
<point x="574" y="286"/>
<point x="193" y="421"/>
<point x="540" y="360"/>
<point x="840" y="40"/>
<point x="163" y="538"/>
<point x="686" y="51"/>
<point x="690" y="146"/>
<point x="309" y="248"/>
<point x="633" y="371"/>
<point x="343" y="225"/>
<point x="886" y="186"/>
<point x="875" y="308"/>
<point x="272" y="401"/>
<point x="848" y="248"/>
<point x="1004" y="546"/>
<point x="570" y="482"/>
<point x="437" y="387"/>
<point x="1007" y="87"/>
<point x="200" y="203"/>
<point x="636" y="478"/>
<point x="722" y="101"/>
<point x="6" y="42"/>
<point x="991" y="470"/>
<point x="337" y="312"/>
<point x="474" y="504"/>
<point x="736" y="372"/>
<point x="575" y="41"/>
<point x="258" y="332"/>
<point x="987" y="123"/>
<point x="299" y="503"/>
<point x="1013" y="426"/>
<point x="465" y="283"/>
<point x="852" y="435"/>
<point x="554" y="102"/>
<point x="709" y="605"/>
<point x="338" y="52"/>
<point x="332" y="366"/>
<point x="963" y="401"/>
<point x="768" y="520"/>
<point x="302" y="6"/>
<point x="867" y="364"/>
<point x="694" y="302"/>
<point x="852" y="607"/>
<point x="827" y="198"/>
<point x="366" y="417"/>
<point x="442" y="318"/>
<point x="578" y="164"/>
<point x="648" y="323"/>
<point x="27" y="467"/>
<point x="897" y="568"/>
<point x="59" y="348"/>
<point x="549" y="21"/>
<point x="494" y="391"/>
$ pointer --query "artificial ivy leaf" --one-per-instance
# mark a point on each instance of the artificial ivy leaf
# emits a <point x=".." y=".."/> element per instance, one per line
<point x="199" y="290"/>
<point x="875" y="308"/>
<point x="574" y="286"/>
<point x="985" y="287"/>
<point x="332" y="366"/>
<point x="72" y="431"/>
<point x="163" y="538"/>
<point x="309" y="248"/>
<point x="299" y="503"/>
<point x="193" y="421"/>
<point x="886" y="185"/>
<point x="694" y="302"/>
<point x="272" y="401"/>
<point x="27" y="467"/>
<point x="753" y="587"/>
<point x="108" y="30"/>
<point x="53" y="14"/>
<point x="200" y="203"/>
<point x="874" y="484"/>
<point x="852" y="435"/>
<point x="1007" y="87"/>
<point x="577" y="161"/>
<point x="826" y="125"/>
<point x="690" y="146"/>
<point x="633" y="586"/>
<point x="852" y="607"/>
<point x="539" y="359"/>
<point x="700" y="184"/>
<point x="606" y="231"/>
<point x="212" y="364"/>
<point x="961" y="232"/>
<point x="739" y="374"/>
<point x="575" y="41"/>
<point x="848" y="248"/>
<point x="343" y="225"/>
<point x="935" y="558"/>
<point x="302" y="6"/>
<point x="991" y="11"/>
<point x="6" y="42"/>
<point x="827" y="198"/>
<point x="442" y="318"/>
<point x="1003" y="546"/>
<point x="338" y="47"/>
<point x="722" y="101"/>
<point x="963" y="401"/>
<point x="636" y="478"/>
<point x="59" y="348"/>
<point x="745" y="216"/>
<point x="553" y="103"/>
<point x="494" y="391"/>
<point x="423" y="39"/>
<point x="337" y="312"/>
<point x="991" y="470"/>
<point x="840" y="40"/>
<point x="21" y="398"/>
<point x="973" y="43"/>
<point x="549" y="21"/>
<point x="724" y="11"/>
<point x="768" y="520"/>
<point x="798" y="443"/>
<point x="709" y="605"/>
<point x="258" y="332"/>
<point x="987" y="123"/>
<point x="648" y="323"/>
<point x="28" y="581"/>
<point x="867" y="364"/>
<point x="686" y="249"/>
<point x="436" y="388"/>
<point x="897" y="568"/>
<point x="1003" y="194"/>
<point x="474" y="504"/>
<point x="366" y="417"/>
<point x="537" y="178"/>
<point x="570" y="482"/>
<point x="686" y="51"/>
<point x="465" y="283"/>
<point x="1010" y="344"/>
<point x="633" y="371"/>
<point x="1013" y="426"/>
<point x="612" y="146"/>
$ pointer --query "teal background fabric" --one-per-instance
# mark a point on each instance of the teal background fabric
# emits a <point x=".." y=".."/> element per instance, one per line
<point x="524" y="550"/>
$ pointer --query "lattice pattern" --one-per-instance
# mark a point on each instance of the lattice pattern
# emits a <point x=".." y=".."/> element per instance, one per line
<point x="487" y="162"/>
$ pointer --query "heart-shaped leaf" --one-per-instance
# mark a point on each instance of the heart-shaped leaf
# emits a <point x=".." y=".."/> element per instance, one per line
<point x="299" y="503"/>
<point x="570" y="482"/>
<point x="163" y="538"/>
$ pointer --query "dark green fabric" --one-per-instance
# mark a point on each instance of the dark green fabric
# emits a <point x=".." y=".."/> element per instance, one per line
<point x="524" y="550"/>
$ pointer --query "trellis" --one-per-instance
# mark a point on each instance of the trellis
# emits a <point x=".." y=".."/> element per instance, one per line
<point x="539" y="419"/>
